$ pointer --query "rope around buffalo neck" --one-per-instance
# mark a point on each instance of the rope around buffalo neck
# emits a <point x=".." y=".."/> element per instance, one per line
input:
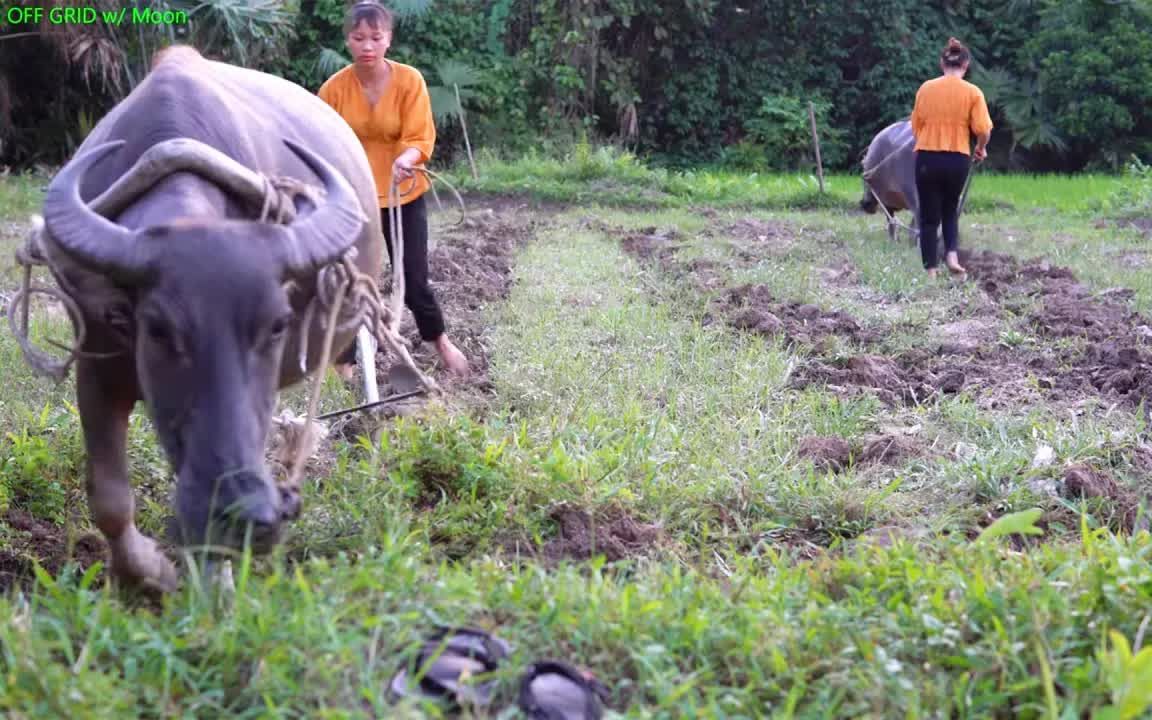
<point x="278" y="193"/>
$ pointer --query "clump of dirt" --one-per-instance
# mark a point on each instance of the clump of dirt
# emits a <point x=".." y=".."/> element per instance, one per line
<point x="889" y="450"/>
<point x="34" y="539"/>
<point x="706" y="275"/>
<point x="1064" y="307"/>
<point x="756" y="309"/>
<point x="652" y="244"/>
<point x="894" y="384"/>
<point x="1071" y="312"/>
<point x="827" y="454"/>
<point x="1116" y="368"/>
<point x="1140" y="457"/>
<point x="964" y="337"/>
<point x="1083" y="481"/>
<point x="613" y="533"/>
<point x="1000" y="272"/>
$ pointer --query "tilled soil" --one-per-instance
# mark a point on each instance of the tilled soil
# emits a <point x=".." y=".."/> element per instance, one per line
<point x="613" y="533"/>
<point x="32" y="540"/>
<point x="470" y="268"/>
<point x="755" y="308"/>
<point x="835" y="454"/>
<point x="1113" y="357"/>
<point x="748" y="307"/>
<point x="1105" y="349"/>
<point x="581" y="534"/>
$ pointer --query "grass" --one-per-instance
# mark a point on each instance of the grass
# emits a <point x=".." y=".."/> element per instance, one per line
<point x="611" y="177"/>
<point x="771" y="587"/>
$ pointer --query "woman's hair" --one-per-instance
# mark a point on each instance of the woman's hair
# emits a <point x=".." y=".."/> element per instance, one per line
<point x="955" y="54"/>
<point x="371" y="12"/>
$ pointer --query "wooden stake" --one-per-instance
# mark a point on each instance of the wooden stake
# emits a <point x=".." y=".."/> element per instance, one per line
<point x="816" y="146"/>
<point x="464" y="125"/>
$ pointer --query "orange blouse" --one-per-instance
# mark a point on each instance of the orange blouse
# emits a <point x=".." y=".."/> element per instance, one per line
<point x="946" y="109"/>
<point x="400" y="119"/>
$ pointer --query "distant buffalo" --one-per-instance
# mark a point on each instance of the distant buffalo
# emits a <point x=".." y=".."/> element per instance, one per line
<point x="889" y="169"/>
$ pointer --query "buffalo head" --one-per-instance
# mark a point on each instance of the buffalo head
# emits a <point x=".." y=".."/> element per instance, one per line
<point x="210" y="320"/>
<point x="868" y="202"/>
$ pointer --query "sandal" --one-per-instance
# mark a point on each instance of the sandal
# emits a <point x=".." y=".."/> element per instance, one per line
<point x="449" y="659"/>
<point x="552" y="690"/>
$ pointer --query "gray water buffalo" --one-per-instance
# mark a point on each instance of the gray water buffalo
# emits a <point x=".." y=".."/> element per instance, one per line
<point x="889" y="168"/>
<point x="194" y="305"/>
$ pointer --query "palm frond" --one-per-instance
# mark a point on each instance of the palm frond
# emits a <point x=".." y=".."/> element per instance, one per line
<point x="235" y="28"/>
<point x="329" y="61"/>
<point x="98" y="57"/>
<point x="444" y="107"/>
<point x="1039" y="134"/>
<point x="405" y="9"/>
<point x="996" y="83"/>
<point x="453" y="72"/>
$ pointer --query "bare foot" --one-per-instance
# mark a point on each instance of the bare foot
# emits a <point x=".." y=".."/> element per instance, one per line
<point x="348" y="372"/>
<point x="453" y="359"/>
<point x="931" y="273"/>
<point x="953" y="263"/>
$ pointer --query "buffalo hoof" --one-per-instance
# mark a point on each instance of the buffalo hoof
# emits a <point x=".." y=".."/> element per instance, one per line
<point x="138" y="563"/>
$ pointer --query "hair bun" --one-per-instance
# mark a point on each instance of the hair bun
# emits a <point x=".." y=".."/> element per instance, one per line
<point x="954" y="44"/>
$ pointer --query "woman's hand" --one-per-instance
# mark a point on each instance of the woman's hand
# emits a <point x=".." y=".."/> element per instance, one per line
<point x="402" y="166"/>
<point x="402" y="169"/>
<point x="980" y="153"/>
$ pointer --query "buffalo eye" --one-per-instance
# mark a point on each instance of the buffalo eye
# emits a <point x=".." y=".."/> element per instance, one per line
<point x="157" y="331"/>
<point x="279" y="328"/>
<point x="161" y="334"/>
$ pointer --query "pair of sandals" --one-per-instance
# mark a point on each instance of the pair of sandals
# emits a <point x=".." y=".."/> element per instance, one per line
<point x="549" y="690"/>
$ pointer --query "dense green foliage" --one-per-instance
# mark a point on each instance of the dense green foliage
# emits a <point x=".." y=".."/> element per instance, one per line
<point x="702" y="81"/>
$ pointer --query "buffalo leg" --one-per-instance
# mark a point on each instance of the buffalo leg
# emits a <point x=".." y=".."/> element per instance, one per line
<point x="106" y="395"/>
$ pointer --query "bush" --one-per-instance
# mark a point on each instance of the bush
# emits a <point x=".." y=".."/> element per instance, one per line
<point x="783" y="129"/>
<point x="1134" y="198"/>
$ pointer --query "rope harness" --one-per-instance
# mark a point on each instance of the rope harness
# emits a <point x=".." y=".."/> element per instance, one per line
<point x="344" y="298"/>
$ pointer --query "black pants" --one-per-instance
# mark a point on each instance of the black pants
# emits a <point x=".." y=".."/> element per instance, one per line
<point x="418" y="295"/>
<point x="940" y="179"/>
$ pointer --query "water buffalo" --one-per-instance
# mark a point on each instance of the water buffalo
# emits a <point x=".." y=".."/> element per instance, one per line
<point x="192" y="304"/>
<point x="889" y="169"/>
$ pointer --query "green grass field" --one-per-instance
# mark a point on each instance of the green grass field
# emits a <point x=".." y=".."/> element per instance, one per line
<point x="719" y="500"/>
<point x="615" y="178"/>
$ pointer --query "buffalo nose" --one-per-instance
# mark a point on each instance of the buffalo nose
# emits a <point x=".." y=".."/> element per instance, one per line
<point x="289" y="504"/>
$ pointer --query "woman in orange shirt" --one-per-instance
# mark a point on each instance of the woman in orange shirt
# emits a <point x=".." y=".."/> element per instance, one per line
<point x="386" y="104"/>
<point x="947" y="109"/>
